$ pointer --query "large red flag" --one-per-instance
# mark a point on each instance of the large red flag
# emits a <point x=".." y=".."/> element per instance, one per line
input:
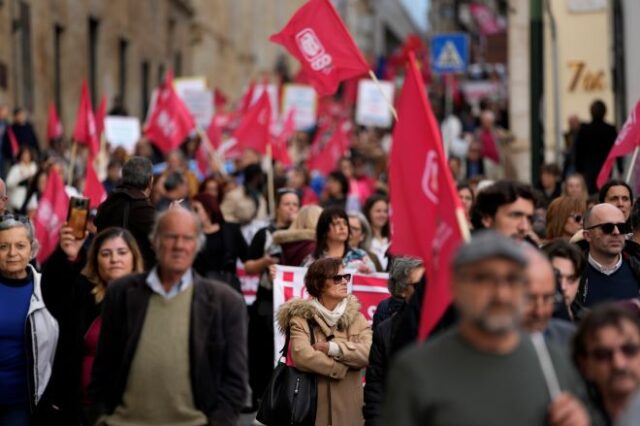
<point x="51" y="214"/>
<point x="170" y="122"/>
<point x="318" y="38"/>
<point x="247" y="98"/>
<point x="101" y="114"/>
<point x="425" y="207"/>
<point x="93" y="188"/>
<point x="54" y="127"/>
<point x="253" y="131"/>
<point x="628" y="139"/>
<point x="13" y="142"/>
<point x="280" y="149"/>
<point x="84" y="131"/>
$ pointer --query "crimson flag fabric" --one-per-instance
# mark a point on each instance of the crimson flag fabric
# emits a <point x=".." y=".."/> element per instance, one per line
<point x="93" y="188"/>
<point x="628" y="139"/>
<point x="219" y="99"/>
<point x="13" y="142"/>
<point x="318" y="38"/>
<point x="489" y="145"/>
<point x="423" y="196"/>
<point x="324" y="157"/>
<point x="54" y="127"/>
<point x="170" y="122"/>
<point x="253" y="131"/>
<point x="51" y="214"/>
<point x="101" y="114"/>
<point x="84" y="132"/>
<point x="280" y="149"/>
<point x="245" y="103"/>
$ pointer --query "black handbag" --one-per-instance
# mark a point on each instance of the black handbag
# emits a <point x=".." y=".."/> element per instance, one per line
<point x="291" y="395"/>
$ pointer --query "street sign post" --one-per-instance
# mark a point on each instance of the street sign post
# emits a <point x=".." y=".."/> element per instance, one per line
<point x="449" y="53"/>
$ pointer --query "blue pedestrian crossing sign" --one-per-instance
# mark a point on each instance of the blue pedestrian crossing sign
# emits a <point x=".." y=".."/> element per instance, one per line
<point x="449" y="53"/>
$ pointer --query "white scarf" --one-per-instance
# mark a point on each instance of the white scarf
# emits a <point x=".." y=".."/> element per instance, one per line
<point x="330" y="317"/>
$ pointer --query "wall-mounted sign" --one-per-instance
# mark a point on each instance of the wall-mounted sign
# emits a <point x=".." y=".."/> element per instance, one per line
<point x="585" y="79"/>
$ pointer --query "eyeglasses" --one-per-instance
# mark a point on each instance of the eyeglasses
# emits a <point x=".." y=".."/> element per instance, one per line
<point x="577" y="217"/>
<point x="608" y="227"/>
<point x="602" y="354"/>
<point x="337" y="279"/>
<point x="487" y="279"/>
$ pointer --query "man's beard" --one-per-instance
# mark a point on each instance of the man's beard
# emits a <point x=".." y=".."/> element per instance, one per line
<point x="498" y="324"/>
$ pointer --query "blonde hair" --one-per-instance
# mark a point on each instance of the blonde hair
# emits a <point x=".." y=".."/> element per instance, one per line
<point x="90" y="271"/>
<point x="307" y="217"/>
<point x="559" y="211"/>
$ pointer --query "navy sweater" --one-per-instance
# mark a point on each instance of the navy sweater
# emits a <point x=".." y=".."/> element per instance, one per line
<point x="621" y="285"/>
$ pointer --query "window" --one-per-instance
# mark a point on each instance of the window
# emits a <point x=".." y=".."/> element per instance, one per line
<point x="94" y="25"/>
<point x="57" y="67"/>
<point x="122" y="70"/>
<point x="145" y="88"/>
<point x="25" y="56"/>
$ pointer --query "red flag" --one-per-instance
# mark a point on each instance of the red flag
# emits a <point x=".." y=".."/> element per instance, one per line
<point x="219" y="99"/>
<point x="170" y="122"/>
<point x="84" y="131"/>
<point x="13" y="142"/>
<point x="324" y="157"/>
<point x="54" y="127"/>
<point x="51" y="214"/>
<point x="101" y="113"/>
<point x="253" y="131"/>
<point x="280" y="150"/>
<point x="424" y="202"/>
<point x="318" y="38"/>
<point x="245" y="103"/>
<point x="628" y="139"/>
<point x="489" y="145"/>
<point x="93" y="188"/>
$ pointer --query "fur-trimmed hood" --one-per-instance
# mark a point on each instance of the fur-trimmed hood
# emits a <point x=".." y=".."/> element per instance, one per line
<point x="303" y="308"/>
<point x="292" y="235"/>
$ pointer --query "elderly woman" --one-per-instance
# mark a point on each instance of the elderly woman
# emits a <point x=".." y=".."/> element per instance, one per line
<point x="361" y="235"/>
<point x="332" y="240"/>
<point x="28" y="332"/>
<point x="74" y="284"/>
<point x="343" y="339"/>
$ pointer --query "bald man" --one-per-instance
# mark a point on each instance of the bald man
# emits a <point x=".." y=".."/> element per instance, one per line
<point x="541" y="298"/>
<point x="172" y="348"/>
<point x="610" y="275"/>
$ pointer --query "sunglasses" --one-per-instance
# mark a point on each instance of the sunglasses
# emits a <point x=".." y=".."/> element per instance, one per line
<point x="602" y="354"/>
<point x="608" y="227"/>
<point x="337" y="279"/>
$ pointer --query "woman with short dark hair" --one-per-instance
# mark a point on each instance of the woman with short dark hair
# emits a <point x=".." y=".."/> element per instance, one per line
<point x="342" y="339"/>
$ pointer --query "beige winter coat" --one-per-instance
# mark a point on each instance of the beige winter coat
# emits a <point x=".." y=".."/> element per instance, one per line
<point x="340" y="378"/>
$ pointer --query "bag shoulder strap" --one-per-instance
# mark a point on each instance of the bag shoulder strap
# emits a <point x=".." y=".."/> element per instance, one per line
<point x="285" y="347"/>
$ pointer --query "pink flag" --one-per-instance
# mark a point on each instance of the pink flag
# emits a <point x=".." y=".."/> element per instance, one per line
<point x="280" y="149"/>
<point x="485" y="19"/>
<point x="628" y="139"/>
<point x="424" y="202"/>
<point x="318" y="38"/>
<point x="54" y="127"/>
<point x="170" y="122"/>
<point x="93" y="188"/>
<point x="85" y="132"/>
<point x="253" y="131"/>
<point x="51" y="214"/>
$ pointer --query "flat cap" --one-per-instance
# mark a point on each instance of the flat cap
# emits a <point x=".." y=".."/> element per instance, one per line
<point x="486" y="245"/>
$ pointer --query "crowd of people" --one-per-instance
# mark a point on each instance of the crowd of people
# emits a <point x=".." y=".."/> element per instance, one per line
<point x="142" y="320"/>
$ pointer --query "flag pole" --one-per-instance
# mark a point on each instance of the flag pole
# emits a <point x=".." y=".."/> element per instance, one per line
<point x="270" y="182"/>
<point x="632" y="164"/>
<point x="384" y="95"/>
<point x="74" y="149"/>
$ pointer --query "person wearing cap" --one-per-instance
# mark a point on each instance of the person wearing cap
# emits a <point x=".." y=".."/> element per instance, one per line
<point x="484" y="370"/>
<point x="506" y="207"/>
<point x="611" y="274"/>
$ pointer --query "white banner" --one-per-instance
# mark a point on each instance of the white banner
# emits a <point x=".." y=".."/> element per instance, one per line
<point x="370" y="289"/>
<point x="304" y="100"/>
<point x="122" y="131"/>
<point x="197" y="97"/>
<point x="372" y="108"/>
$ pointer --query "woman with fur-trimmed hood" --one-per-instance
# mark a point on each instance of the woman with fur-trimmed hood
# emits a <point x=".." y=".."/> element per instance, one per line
<point x="343" y="339"/>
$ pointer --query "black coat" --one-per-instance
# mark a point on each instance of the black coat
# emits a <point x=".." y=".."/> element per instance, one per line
<point x="25" y="135"/>
<point x="593" y="143"/>
<point x="217" y="347"/>
<point x="139" y="220"/>
<point x="379" y="357"/>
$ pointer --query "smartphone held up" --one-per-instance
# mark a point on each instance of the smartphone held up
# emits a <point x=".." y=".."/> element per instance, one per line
<point x="78" y="215"/>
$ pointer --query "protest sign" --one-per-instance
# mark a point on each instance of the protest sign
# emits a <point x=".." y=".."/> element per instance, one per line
<point x="197" y="97"/>
<point x="370" y="289"/>
<point x="122" y="131"/>
<point x="303" y="100"/>
<point x="372" y="107"/>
